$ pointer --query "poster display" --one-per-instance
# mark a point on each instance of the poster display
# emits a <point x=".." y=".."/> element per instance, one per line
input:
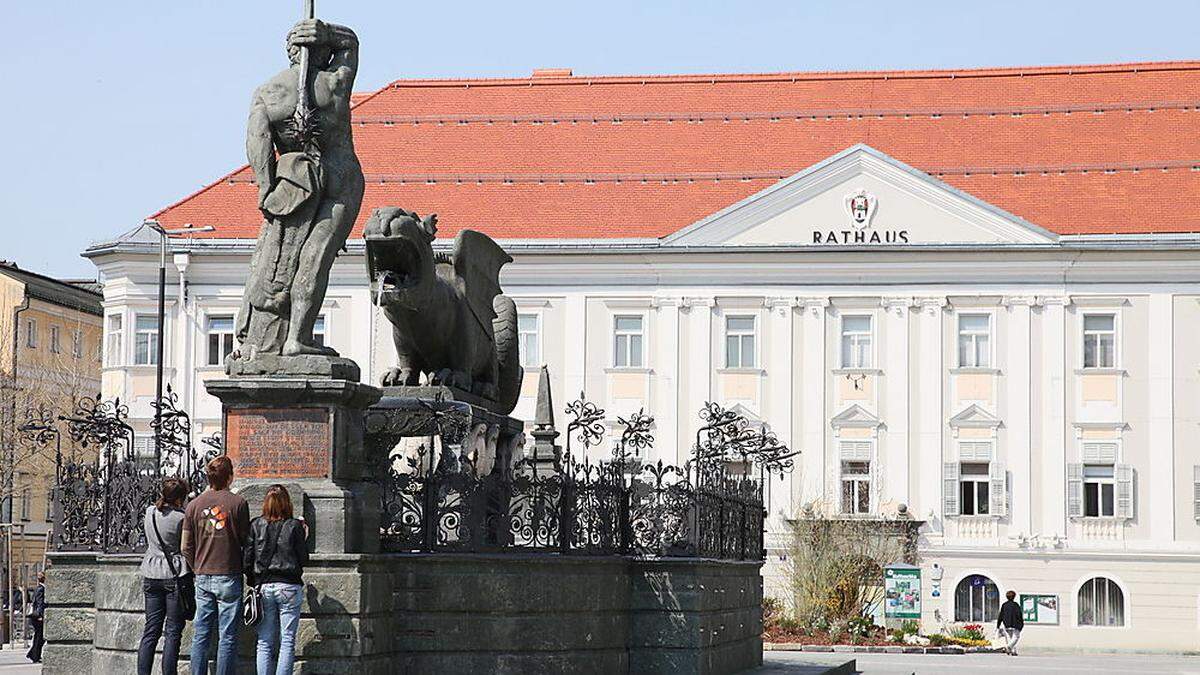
<point x="1039" y="609"/>
<point x="902" y="592"/>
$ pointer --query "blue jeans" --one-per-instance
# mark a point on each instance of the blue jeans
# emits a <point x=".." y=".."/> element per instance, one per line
<point x="219" y="601"/>
<point x="277" y="630"/>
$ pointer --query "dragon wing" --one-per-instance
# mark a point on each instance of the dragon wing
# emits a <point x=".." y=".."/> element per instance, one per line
<point x="477" y="263"/>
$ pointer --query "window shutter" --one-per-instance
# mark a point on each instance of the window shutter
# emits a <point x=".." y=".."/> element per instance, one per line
<point x="1124" y="475"/>
<point x="978" y="451"/>
<point x="1100" y="453"/>
<point x="856" y="451"/>
<point x="143" y="446"/>
<point x="950" y="489"/>
<point x="998" y="493"/>
<point x="1074" y="490"/>
<point x="1196" y="491"/>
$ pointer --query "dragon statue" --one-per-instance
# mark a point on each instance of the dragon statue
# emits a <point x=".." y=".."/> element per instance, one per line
<point x="450" y="321"/>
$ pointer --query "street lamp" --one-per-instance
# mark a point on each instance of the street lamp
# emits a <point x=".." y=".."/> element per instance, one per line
<point x="163" y="234"/>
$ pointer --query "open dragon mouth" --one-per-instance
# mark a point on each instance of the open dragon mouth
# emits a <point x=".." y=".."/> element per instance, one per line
<point x="395" y="263"/>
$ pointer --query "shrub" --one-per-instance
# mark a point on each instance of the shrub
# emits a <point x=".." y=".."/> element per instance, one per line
<point x="973" y="631"/>
<point x="860" y="626"/>
<point x="910" y="627"/>
<point x="939" y="640"/>
<point x="772" y="613"/>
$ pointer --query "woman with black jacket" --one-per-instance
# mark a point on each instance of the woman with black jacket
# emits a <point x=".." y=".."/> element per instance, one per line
<point x="275" y="554"/>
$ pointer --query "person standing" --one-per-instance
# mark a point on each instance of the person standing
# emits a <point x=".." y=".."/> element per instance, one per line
<point x="1010" y="622"/>
<point x="215" y="525"/>
<point x="275" y="555"/>
<point x="37" y="617"/>
<point x="163" y="525"/>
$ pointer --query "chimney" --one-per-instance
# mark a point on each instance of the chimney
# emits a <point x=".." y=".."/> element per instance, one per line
<point x="540" y="73"/>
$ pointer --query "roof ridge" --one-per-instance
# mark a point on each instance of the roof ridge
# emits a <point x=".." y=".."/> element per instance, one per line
<point x="932" y="73"/>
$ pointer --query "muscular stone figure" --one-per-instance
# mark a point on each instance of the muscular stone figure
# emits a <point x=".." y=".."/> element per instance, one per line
<point x="309" y="194"/>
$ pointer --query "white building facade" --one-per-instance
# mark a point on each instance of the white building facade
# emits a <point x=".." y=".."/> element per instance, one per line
<point x="1033" y="398"/>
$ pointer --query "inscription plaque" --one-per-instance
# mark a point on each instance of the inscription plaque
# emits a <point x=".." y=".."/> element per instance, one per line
<point x="279" y="442"/>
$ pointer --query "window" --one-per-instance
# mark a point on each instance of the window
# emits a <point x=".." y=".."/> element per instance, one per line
<point x="1099" y="341"/>
<point x="26" y="501"/>
<point x="627" y="341"/>
<point x="31" y="333"/>
<point x="856" y="487"/>
<point x="77" y="344"/>
<point x="976" y="598"/>
<point x="1101" y="603"/>
<point x="220" y="339"/>
<point x="1098" y="491"/>
<point x="856" y="342"/>
<point x="974" y="341"/>
<point x="113" y="341"/>
<point x="145" y="340"/>
<point x="975" y="489"/>
<point x="529" y="339"/>
<point x="739" y="342"/>
<point x="55" y="340"/>
<point x="49" y="505"/>
<point x="319" y="331"/>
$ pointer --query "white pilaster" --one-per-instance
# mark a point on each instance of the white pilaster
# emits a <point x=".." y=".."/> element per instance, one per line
<point x="1016" y="450"/>
<point x="778" y="410"/>
<point x="666" y="376"/>
<point x="574" y="338"/>
<point x="184" y="358"/>
<point x="1162" y="412"/>
<point x="701" y="367"/>
<point x="1054" y="409"/>
<point x="812" y="401"/>
<point x="929" y="417"/>
<point x="895" y="399"/>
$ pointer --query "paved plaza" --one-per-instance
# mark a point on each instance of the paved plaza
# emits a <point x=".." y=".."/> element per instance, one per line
<point x="803" y="663"/>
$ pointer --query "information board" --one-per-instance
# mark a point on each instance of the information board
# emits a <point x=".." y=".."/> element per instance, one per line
<point x="1041" y="609"/>
<point x="902" y="592"/>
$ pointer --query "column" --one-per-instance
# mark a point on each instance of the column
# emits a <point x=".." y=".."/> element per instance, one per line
<point x="180" y="360"/>
<point x="895" y="399"/>
<point x="929" y="418"/>
<point x="1161" y="484"/>
<point x="812" y="401"/>
<point x="1053" y="508"/>
<point x="574" y="336"/>
<point x="700" y="391"/>
<point x="666" y="382"/>
<point x="779" y="405"/>
<point x="1017" y="449"/>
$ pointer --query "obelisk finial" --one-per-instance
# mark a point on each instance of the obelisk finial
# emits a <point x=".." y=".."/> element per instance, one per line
<point x="543" y="417"/>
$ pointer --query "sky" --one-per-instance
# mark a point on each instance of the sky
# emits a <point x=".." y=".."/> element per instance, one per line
<point x="115" y="109"/>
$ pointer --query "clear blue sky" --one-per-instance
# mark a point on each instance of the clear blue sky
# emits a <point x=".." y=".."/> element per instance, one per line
<point x="115" y="108"/>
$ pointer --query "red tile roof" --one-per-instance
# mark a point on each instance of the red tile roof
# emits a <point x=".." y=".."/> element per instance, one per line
<point x="1084" y="149"/>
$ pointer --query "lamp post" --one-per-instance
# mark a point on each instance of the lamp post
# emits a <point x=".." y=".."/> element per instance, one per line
<point x="163" y="234"/>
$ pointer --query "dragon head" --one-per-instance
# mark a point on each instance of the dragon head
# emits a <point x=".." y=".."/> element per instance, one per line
<point x="400" y="258"/>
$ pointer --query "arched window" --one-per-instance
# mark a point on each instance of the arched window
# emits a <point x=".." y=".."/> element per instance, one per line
<point x="976" y="599"/>
<point x="1101" y="603"/>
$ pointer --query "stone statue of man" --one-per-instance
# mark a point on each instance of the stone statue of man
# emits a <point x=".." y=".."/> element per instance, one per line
<point x="310" y="188"/>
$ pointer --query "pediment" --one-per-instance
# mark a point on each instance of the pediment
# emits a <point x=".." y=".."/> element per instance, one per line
<point x="855" y="417"/>
<point x="974" y="417"/>
<point x="860" y="197"/>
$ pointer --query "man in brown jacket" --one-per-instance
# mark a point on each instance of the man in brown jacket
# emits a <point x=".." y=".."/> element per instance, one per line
<point x="215" y="526"/>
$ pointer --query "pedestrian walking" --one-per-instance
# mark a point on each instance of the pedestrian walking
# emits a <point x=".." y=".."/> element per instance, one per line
<point x="163" y="578"/>
<point x="275" y="555"/>
<point x="1010" y="622"/>
<point x="37" y="618"/>
<point x="215" y="525"/>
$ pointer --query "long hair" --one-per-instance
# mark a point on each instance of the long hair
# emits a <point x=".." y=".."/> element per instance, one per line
<point x="277" y="505"/>
<point x="174" y="491"/>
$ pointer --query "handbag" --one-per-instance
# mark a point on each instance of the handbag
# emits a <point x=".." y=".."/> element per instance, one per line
<point x="252" y="602"/>
<point x="185" y="585"/>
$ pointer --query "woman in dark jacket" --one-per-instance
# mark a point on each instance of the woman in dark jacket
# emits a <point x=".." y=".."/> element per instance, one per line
<point x="163" y="525"/>
<point x="275" y="554"/>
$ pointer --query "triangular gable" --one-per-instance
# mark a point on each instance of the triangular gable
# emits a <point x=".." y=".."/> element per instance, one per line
<point x="860" y="197"/>
<point x="974" y="417"/>
<point x="855" y="417"/>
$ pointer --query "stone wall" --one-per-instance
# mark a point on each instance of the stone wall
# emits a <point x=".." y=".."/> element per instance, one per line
<point x="388" y="613"/>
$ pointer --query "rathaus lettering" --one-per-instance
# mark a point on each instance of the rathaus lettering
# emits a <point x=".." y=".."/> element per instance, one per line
<point x="860" y="237"/>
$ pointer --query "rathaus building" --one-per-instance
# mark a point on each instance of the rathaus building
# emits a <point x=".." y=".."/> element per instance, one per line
<point x="970" y="297"/>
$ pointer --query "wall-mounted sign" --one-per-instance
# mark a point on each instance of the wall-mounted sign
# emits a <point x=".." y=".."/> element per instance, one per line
<point x="902" y="592"/>
<point x="860" y="207"/>
<point x="1041" y="609"/>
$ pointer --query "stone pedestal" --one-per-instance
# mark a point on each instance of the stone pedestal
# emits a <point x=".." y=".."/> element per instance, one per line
<point x="308" y="435"/>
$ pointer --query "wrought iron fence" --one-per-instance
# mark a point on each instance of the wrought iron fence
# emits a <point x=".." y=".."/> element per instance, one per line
<point x="712" y="506"/>
<point x="103" y="481"/>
